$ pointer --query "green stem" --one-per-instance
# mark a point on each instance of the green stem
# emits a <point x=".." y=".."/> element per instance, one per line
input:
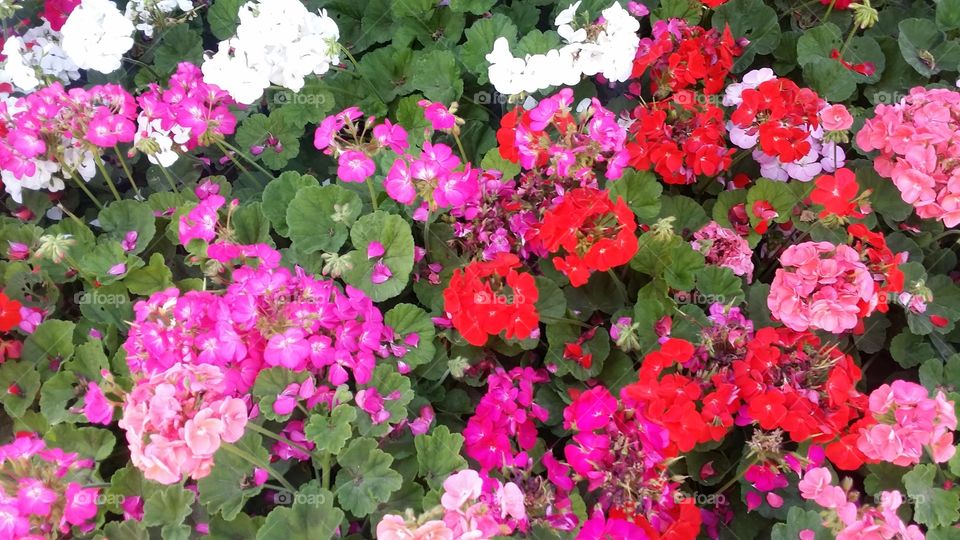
<point x="71" y="215"/>
<point x="463" y="154"/>
<point x="356" y="67"/>
<point x="944" y="234"/>
<point x="170" y="180"/>
<point x="279" y="438"/>
<point x="85" y="189"/>
<point x="106" y="176"/>
<point x="373" y="194"/>
<point x="736" y="478"/>
<point x="846" y="43"/>
<point x="126" y="170"/>
<point x="829" y="11"/>
<point x="227" y="152"/>
<point x="325" y="471"/>
<point x="249" y="159"/>
<point x="246" y="456"/>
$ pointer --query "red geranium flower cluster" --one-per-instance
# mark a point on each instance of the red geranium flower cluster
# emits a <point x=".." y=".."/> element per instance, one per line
<point x="487" y="298"/>
<point x="680" y="56"/>
<point x="782" y="114"/>
<point x="9" y="313"/>
<point x="837" y="194"/>
<point x="791" y="381"/>
<point x="680" y="138"/>
<point x="882" y="262"/>
<point x="695" y="405"/>
<point x="593" y="232"/>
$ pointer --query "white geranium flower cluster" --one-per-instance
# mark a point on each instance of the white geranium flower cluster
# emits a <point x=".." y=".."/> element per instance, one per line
<point x="607" y="48"/>
<point x="35" y="56"/>
<point x="146" y="13"/>
<point x="162" y="146"/>
<point x="278" y="42"/>
<point x="96" y="35"/>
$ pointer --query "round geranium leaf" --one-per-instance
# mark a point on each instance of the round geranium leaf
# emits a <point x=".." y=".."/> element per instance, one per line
<point x="820" y="44"/>
<point x="279" y="193"/>
<point x="129" y="222"/>
<point x="408" y="320"/>
<point x="382" y="260"/>
<point x="271" y="139"/>
<point x="319" y="217"/>
<point x="926" y="48"/>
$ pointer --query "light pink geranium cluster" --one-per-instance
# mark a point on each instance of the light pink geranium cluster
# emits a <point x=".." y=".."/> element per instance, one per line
<point x="724" y="247"/>
<point x="472" y="508"/>
<point x="853" y="522"/>
<point x="177" y="419"/>
<point x="918" y="152"/>
<point x="42" y="493"/>
<point x="908" y="422"/>
<point x="822" y="286"/>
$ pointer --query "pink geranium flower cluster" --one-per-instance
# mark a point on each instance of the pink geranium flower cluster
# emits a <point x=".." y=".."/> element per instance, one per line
<point x="177" y="419"/>
<point x="850" y="522"/>
<point x="908" y="422"/>
<point x="917" y="142"/>
<point x="472" y="508"/>
<point x="266" y="317"/>
<point x="54" y="131"/>
<point x="822" y="286"/>
<point x="502" y="429"/>
<point x="724" y="247"/>
<point x="187" y="114"/>
<point x="345" y="138"/>
<point x="42" y="493"/>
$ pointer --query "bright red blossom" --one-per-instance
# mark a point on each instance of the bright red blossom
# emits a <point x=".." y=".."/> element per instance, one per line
<point x="487" y="298"/>
<point x="9" y="313"/>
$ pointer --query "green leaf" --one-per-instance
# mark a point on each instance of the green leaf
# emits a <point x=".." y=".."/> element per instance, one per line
<point x="926" y="48"/>
<point x="885" y="198"/>
<point x="125" y="530"/>
<point x="598" y="347"/>
<point x="390" y="70"/>
<point x="101" y="260"/>
<point x="250" y="226"/>
<point x="230" y="484"/>
<point x="641" y="191"/>
<point x="477" y="7"/>
<point x="24" y="378"/>
<point x="933" y="506"/>
<point x="241" y="527"/>
<point x="781" y="196"/>
<point x="269" y="384"/>
<point x="394" y="234"/>
<point x="551" y="303"/>
<point x="719" y="285"/>
<point x="438" y="455"/>
<point x="311" y="517"/>
<point x="819" y="42"/>
<point x="479" y="43"/>
<point x="537" y="42"/>
<point x="948" y="14"/>
<point x="256" y="128"/>
<point x="799" y="520"/>
<point x="412" y="8"/>
<point x="223" y="17"/>
<point x="152" y="278"/>
<point x="319" y="217"/>
<point x="279" y="193"/>
<point x="168" y="507"/>
<point x="308" y="106"/>
<point x="493" y="160"/>
<point x="830" y="79"/>
<point x="687" y="213"/>
<point x="57" y="397"/>
<point x="365" y="478"/>
<point x="437" y="76"/>
<point x="685" y="262"/>
<point x="52" y="341"/>
<point x="109" y="304"/>
<point x="751" y="19"/>
<point x="90" y="442"/>
<point x="178" y="44"/>
<point x="910" y="350"/>
<point x="406" y="319"/>
<point x="331" y="432"/>
<point x="386" y="380"/>
<point x="122" y="217"/>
